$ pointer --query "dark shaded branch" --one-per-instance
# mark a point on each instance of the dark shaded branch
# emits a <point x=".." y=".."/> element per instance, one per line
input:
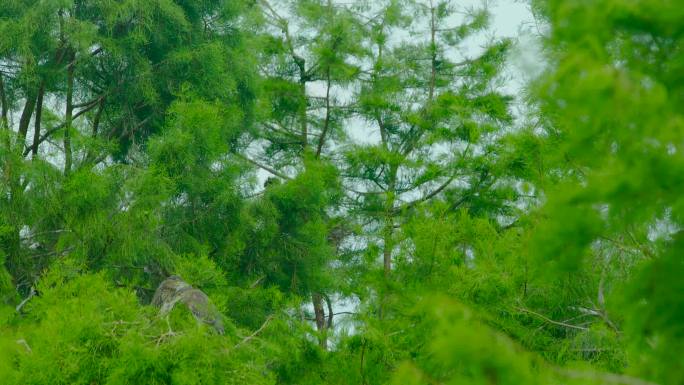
<point x="641" y="246"/>
<point x="326" y="124"/>
<point x="51" y="131"/>
<point x="98" y="116"/>
<point x="292" y="133"/>
<point x="4" y="107"/>
<point x="364" y="192"/>
<point x="338" y="313"/>
<point x="96" y="124"/>
<point x="426" y="197"/>
<point x="68" y="118"/>
<point x="39" y="115"/>
<point x="363" y="374"/>
<point x="26" y="114"/>
<point x="90" y="102"/>
<point x="330" y="310"/>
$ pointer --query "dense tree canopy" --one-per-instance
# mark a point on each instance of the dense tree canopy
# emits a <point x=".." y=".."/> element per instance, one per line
<point x="349" y="185"/>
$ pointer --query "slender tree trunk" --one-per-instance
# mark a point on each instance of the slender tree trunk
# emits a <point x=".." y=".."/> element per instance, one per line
<point x="69" y="116"/>
<point x="326" y="123"/>
<point x="293" y="280"/>
<point x="303" y="120"/>
<point x="390" y="197"/>
<point x="39" y="115"/>
<point x="388" y="217"/>
<point x="319" y="314"/>
<point x="361" y="370"/>
<point x="98" y="116"/>
<point x="388" y="245"/>
<point x="25" y="118"/>
<point x="433" y="54"/>
<point x="388" y="227"/>
<point x="90" y="156"/>
<point x="5" y="106"/>
<point x="330" y="311"/>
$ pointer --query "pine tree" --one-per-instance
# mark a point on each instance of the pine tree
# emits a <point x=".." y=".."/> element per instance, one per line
<point x="437" y="117"/>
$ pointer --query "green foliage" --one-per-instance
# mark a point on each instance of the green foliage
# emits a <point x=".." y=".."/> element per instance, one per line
<point x="412" y="229"/>
<point x="480" y="356"/>
<point x="286" y="241"/>
<point x="82" y="330"/>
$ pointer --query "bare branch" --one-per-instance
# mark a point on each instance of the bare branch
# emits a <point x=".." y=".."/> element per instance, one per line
<point x="257" y="282"/>
<point x="426" y="197"/>
<point x="25" y="301"/>
<point x="263" y="166"/>
<point x="549" y="320"/>
<point x="251" y="336"/>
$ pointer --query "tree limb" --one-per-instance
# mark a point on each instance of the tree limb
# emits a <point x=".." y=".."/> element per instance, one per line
<point x="263" y="166"/>
<point x="32" y="293"/>
<point x="51" y="131"/>
<point x="426" y="197"/>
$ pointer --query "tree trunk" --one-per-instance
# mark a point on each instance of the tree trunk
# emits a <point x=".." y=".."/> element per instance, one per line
<point x="319" y="313"/>
<point x="326" y="124"/>
<point x="25" y="118"/>
<point x="433" y="55"/>
<point x="303" y="119"/>
<point x="68" y="116"/>
<point x="39" y="115"/>
<point x="388" y="230"/>
<point x="387" y="247"/>
<point x="5" y="106"/>
<point x="98" y="115"/>
<point x="90" y="156"/>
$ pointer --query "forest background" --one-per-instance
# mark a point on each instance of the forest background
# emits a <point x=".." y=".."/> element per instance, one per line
<point x="356" y="186"/>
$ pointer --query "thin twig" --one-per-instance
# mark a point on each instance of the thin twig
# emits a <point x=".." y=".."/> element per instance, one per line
<point x="257" y="282"/>
<point x="426" y="197"/>
<point x="263" y="166"/>
<point x="25" y="301"/>
<point x="25" y="344"/>
<point x="251" y="336"/>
